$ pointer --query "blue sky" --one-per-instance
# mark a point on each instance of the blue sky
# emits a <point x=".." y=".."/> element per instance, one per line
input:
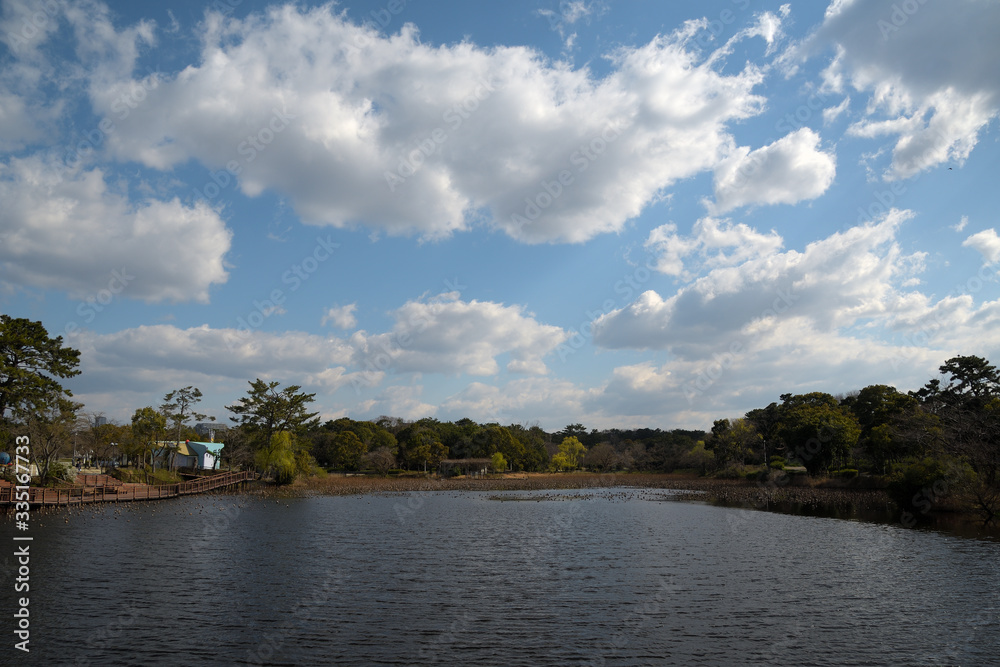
<point x="621" y="214"/>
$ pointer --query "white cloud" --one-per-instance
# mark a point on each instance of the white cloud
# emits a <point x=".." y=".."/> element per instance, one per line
<point x="711" y="239"/>
<point x="133" y="358"/>
<point x="458" y="129"/>
<point x="790" y="170"/>
<point x="517" y="401"/>
<point x="929" y="72"/>
<point x="70" y="231"/>
<point x="961" y="224"/>
<point x="341" y="317"/>
<point x="987" y="243"/>
<point x="839" y="315"/>
<point x="831" y="114"/>
<point x="401" y="401"/>
<point x="836" y="282"/>
<point x="447" y="335"/>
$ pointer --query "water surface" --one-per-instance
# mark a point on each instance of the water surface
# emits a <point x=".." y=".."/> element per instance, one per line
<point x="595" y="577"/>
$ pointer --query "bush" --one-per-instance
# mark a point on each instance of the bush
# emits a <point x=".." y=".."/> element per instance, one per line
<point x="59" y="471"/>
<point x="918" y="484"/>
<point x="777" y="465"/>
<point x="732" y="472"/>
<point x="845" y="472"/>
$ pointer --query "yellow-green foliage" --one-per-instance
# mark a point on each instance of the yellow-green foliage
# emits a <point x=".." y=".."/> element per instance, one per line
<point x="278" y="459"/>
<point x="570" y="455"/>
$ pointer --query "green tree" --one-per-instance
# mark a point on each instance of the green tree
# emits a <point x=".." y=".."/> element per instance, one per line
<point x="816" y="430"/>
<point x="498" y="462"/>
<point x="30" y="362"/>
<point x="735" y="442"/>
<point x="51" y="430"/>
<point x="885" y="416"/>
<point x="966" y="400"/>
<point x="767" y="421"/>
<point x="265" y="411"/>
<point x="148" y="426"/>
<point x="571" y="452"/>
<point x="532" y="442"/>
<point x="698" y="458"/>
<point x="277" y="459"/>
<point x="178" y="408"/>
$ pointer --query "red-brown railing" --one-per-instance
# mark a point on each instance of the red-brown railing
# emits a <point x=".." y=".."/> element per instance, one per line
<point x="98" y="494"/>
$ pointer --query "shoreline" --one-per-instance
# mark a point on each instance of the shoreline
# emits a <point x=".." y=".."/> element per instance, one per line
<point x="873" y="505"/>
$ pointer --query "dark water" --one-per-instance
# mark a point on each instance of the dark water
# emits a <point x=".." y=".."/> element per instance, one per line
<point x="616" y="577"/>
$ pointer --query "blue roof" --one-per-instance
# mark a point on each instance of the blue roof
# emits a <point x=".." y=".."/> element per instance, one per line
<point x="201" y="447"/>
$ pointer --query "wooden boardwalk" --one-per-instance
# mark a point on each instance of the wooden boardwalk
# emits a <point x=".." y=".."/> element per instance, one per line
<point x="112" y="490"/>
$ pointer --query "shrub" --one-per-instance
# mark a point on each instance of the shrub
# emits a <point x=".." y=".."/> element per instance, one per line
<point x="845" y="472"/>
<point x="732" y="472"/>
<point x="777" y="465"/>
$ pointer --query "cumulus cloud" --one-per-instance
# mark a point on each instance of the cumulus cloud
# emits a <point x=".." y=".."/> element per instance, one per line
<point x="360" y="128"/>
<point x="835" y="282"/>
<point x="71" y="231"/>
<point x="930" y="78"/>
<point x="712" y="243"/>
<point x="341" y="317"/>
<point x="438" y="335"/>
<point x="790" y="170"/>
<point x="447" y="335"/>
<point x="516" y="401"/>
<point x="132" y="359"/>
<point x="987" y="243"/>
<point x="401" y="401"/>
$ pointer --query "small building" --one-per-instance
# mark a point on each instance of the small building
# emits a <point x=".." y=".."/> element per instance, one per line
<point x="198" y="455"/>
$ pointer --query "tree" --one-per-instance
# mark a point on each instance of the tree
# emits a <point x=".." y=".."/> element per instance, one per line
<point x="106" y="440"/>
<point x="698" y="458"/>
<point x="816" y="430"/>
<point x="885" y="416"/>
<point x="381" y="460"/>
<point x="735" y="441"/>
<point x="50" y="429"/>
<point x="532" y="442"/>
<point x="966" y="400"/>
<point x="498" y="462"/>
<point x="602" y="456"/>
<point x="347" y="450"/>
<point x="767" y="421"/>
<point x="570" y="455"/>
<point x="277" y="459"/>
<point x="178" y="408"/>
<point x="148" y="426"/>
<point x="265" y="411"/>
<point x="30" y="362"/>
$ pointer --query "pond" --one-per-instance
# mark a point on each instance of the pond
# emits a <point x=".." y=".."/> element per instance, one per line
<point x="592" y="577"/>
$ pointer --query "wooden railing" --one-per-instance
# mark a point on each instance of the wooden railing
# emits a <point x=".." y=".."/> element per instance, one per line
<point x="99" y="494"/>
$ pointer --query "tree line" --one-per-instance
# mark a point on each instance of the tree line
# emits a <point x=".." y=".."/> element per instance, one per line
<point x="947" y="432"/>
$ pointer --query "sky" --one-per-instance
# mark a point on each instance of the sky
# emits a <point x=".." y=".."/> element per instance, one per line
<point x="620" y="214"/>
